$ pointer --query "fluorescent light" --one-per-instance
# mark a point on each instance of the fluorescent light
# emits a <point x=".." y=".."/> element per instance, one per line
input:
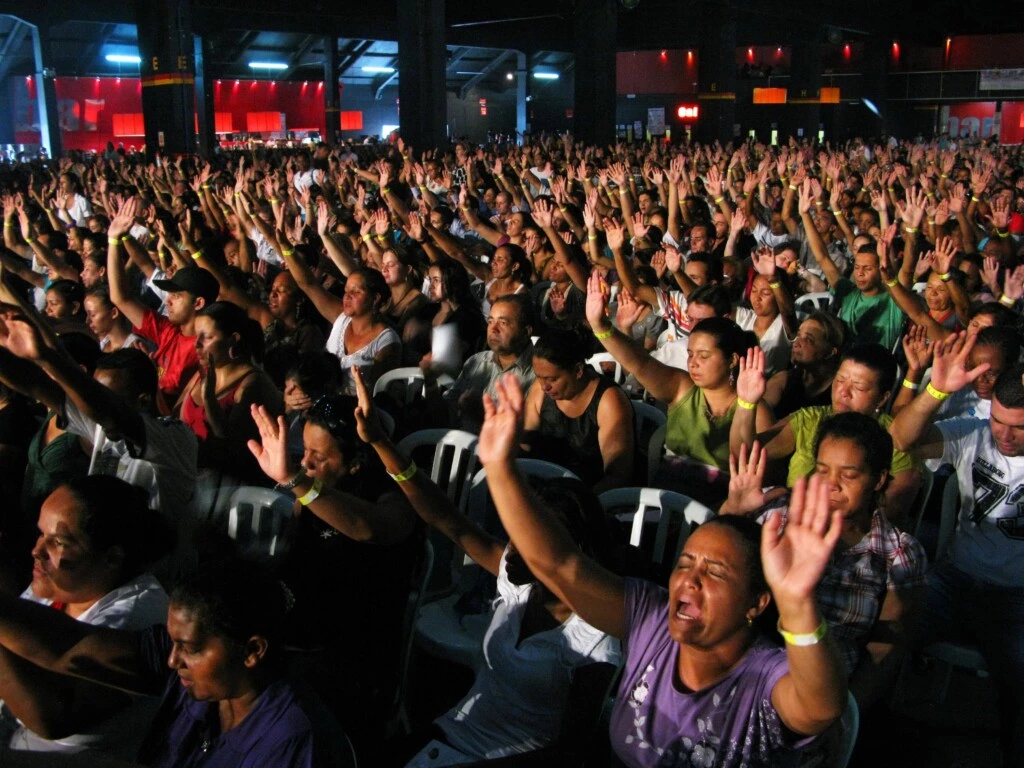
<point x="462" y="72"/>
<point x="546" y="75"/>
<point x="267" y="65"/>
<point x="379" y="70"/>
<point x="122" y="58"/>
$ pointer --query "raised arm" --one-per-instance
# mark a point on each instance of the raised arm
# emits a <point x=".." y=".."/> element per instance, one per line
<point x="326" y="303"/>
<point x="912" y="427"/>
<point x="597" y="595"/>
<point x="356" y="518"/>
<point x="427" y="500"/>
<point x="663" y="382"/>
<point x="615" y="234"/>
<point x="812" y="694"/>
<point x="828" y="267"/>
<point x="120" y="292"/>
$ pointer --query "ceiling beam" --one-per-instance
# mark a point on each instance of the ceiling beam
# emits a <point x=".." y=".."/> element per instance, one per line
<point x="486" y="72"/>
<point x="379" y="91"/>
<point x="92" y="49"/>
<point x="9" y="53"/>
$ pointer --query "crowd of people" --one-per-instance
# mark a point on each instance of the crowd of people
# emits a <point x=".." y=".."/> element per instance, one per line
<point x="823" y="327"/>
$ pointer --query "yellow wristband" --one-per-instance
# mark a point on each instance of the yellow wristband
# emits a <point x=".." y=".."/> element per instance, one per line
<point x="910" y="230"/>
<point x="892" y="283"/>
<point x="811" y="638"/>
<point x="110" y="240"/>
<point x="206" y="186"/>
<point x="366" y="238"/>
<point x="386" y="190"/>
<point x="197" y="254"/>
<point x="1006" y="301"/>
<point x="604" y="334"/>
<point x="30" y="240"/>
<point x="719" y="199"/>
<point x="274" y="200"/>
<point x="423" y="188"/>
<point x="1002" y="234"/>
<point x="793" y="187"/>
<point x="312" y="494"/>
<point x="943" y="176"/>
<point x="944" y="277"/>
<point x="286" y="252"/>
<point x="913" y="386"/>
<point x="405" y="474"/>
<point x="776" y="285"/>
<point x="592" y="237"/>
<point x="745" y="404"/>
<point x="938" y="394"/>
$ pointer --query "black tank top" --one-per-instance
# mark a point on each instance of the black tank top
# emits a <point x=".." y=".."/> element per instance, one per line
<point x="572" y="442"/>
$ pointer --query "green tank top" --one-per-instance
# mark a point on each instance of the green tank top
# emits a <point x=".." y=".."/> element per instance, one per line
<point x="692" y="432"/>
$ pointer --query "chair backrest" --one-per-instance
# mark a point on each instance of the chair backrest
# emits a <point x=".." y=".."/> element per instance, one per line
<point x="387" y="421"/>
<point x="480" y="506"/>
<point x="650" y="426"/>
<point x="921" y="500"/>
<point x="454" y="462"/>
<point x="661" y="507"/>
<point x="418" y="589"/>
<point x="256" y="520"/>
<point x="595" y="361"/>
<point x="810" y="302"/>
<point x="412" y="377"/>
<point x="950" y="512"/>
<point x="849" y="727"/>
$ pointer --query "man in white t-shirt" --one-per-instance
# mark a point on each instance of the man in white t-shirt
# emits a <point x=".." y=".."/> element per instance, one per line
<point x="976" y="595"/>
<point x="116" y="410"/>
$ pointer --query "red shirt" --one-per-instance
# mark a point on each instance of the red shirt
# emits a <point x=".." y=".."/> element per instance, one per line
<point x="175" y="355"/>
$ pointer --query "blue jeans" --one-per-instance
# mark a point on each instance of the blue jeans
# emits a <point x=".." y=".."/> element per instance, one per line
<point x="961" y="608"/>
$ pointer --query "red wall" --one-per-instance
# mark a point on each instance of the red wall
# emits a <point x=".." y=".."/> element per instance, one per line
<point x="986" y="52"/>
<point x="87" y="107"/>
<point x="978" y="117"/>
<point x="652" y="72"/>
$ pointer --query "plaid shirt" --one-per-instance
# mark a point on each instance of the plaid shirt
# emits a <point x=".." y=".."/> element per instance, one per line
<point x="858" y="579"/>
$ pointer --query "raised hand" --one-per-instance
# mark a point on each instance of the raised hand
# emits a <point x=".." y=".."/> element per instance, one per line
<point x="918" y="348"/>
<point x="990" y="274"/>
<point x="367" y="421"/>
<point x="750" y="383"/>
<point x="945" y="252"/>
<point x="21" y="337"/>
<point x="597" y="302"/>
<point x="924" y="264"/>
<point x="503" y="423"/>
<point x="628" y="311"/>
<point x="794" y="561"/>
<point x="1013" y="283"/>
<point x="659" y="263"/>
<point x="639" y="228"/>
<point x="746" y="480"/>
<point x="673" y="259"/>
<point x="615" y="234"/>
<point x="271" y="451"/>
<point x="556" y="299"/>
<point x="714" y="182"/>
<point x="764" y="261"/>
<point x="949" y="367"/>
<point x="542" y="213"/>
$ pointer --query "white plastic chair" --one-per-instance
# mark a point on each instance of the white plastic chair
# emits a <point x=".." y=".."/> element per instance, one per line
<point x="810" y="302"/>
<point x="849" y="725"/>
<point x="256" y="519"/>
<point x="422" y="578"/>
<point x="654" y="505"/>
<point x="952" y="654"/>
<point x="413" y="378"/>
<point x="650" y="425"/>
<point x="595" y="361"/>
<point x="451" y="469"/>
<point x="440" y="630"/>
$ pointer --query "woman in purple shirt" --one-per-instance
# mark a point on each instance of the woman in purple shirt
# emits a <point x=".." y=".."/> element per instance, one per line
<point x="699" y="686"/>
<point x="226" y="700"/>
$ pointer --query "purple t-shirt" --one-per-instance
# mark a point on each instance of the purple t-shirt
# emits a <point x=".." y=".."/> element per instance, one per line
<point x="282" y="730"/>
<point x="731" y="723"/>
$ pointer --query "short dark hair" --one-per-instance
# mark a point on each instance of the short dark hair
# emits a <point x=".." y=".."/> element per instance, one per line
<point x="562" y="348"/>
<point x="522" y="301"/>
<point x="234" y="599"/>
<point x="117" y="514"/>
<point x="714" y="296"/>
<point x="729" y="337"/>
<point x="1006" y="340"/>
<point x="870" y="436"/>
<point x="138" y="369"/>
<point x="70" y="290"/>
<point x="878" y="359"/>
<point x="712" y="262"/>
<point x="231" y="319"/>
<point x="1009" y="389"/>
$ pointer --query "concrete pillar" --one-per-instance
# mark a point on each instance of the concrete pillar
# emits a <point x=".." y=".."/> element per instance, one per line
<point x="805" y="89"/>
<point x="716" y="76"/>
<point x="46" y="92"/>
<point x="206" y="117"/>
<point x="332" y="109"/>
<point x="422" y="60"/>
<point x="168" y="77"/>
<point x="594" y="28"/>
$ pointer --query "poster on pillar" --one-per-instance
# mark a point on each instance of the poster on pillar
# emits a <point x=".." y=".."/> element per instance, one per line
<point x="656" y="121"/>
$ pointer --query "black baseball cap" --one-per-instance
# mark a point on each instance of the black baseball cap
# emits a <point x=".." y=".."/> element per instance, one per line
<point x="195" y="280"/>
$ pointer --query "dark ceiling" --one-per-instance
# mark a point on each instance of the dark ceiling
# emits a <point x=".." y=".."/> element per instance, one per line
<point x="482" y="37"/>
